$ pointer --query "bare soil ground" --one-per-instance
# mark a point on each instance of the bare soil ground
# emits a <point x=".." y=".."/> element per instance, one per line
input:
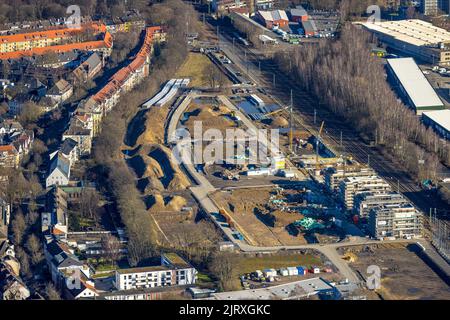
<point x="404" y="275"/>
<point x="211" y="117"/>
<point x="244" y="206"/>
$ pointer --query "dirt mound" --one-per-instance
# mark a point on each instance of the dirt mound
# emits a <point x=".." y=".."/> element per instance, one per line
<point x="171" y="176"/>
<point x="157" y="203"/>
<point x="280" y="122"/>
<point x="154" y="123"/>
<point x="209" y="118"/>
<point x="176" y="203"/>
<point x="283" y="218"/>
<point x="153" y="169"/>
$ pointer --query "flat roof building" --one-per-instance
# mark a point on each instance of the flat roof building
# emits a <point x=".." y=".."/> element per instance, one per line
<point x="273" y="18"/>
<point x="413" y="86"/>
<point x="352" y="186"/>
<point x="439" y="120"/>
<point x="397" y="221"/>
<point x="172" y="271"/>
<point x="415" y="37"/>
<point x="365" y="202"/>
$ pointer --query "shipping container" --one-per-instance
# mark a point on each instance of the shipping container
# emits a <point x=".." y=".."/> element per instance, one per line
<point x="301" y="271"/>
<point x="284" y="272"/>
<point x="292" y="271"/>
<point x="270" y="273"/>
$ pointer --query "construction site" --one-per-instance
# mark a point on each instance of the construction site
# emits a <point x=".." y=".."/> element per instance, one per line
<point x="401" y="266"/>
<point x="285" y="214"/>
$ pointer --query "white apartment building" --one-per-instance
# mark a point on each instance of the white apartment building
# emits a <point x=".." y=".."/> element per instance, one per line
<point x="173" y="271"/>
<point x="334" y="176"/>
<point x="363" y="203"/>
<point x="353" y="186"/>
<point x="395" y="221"/>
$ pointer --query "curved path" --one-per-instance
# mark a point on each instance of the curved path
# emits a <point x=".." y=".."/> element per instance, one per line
<point x="204" y="188"/>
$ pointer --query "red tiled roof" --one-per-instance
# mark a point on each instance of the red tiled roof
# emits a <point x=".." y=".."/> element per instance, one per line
<point x="85" y="46"/>
<point x="51" y="34"/>
<point x="8" y="148"/>
<point x="122" y="75"/>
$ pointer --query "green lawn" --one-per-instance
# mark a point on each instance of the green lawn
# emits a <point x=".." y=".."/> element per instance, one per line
<point x="251" y="264"/>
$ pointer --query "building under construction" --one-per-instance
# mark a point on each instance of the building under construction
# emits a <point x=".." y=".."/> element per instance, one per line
<point x="334" y="176"/>
<point x="364" y="202"/>
<point x="397" y="221"/>
<point x="352" y="186"/>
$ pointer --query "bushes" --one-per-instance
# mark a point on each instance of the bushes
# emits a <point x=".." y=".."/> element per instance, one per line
<point x="119" y="179"/>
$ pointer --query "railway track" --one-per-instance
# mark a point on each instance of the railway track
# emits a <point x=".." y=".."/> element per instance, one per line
<point x="309" y="114"/>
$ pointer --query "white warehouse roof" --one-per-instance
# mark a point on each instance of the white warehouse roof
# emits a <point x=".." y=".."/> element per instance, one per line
<point x="440" y="117"/>
<point x="274" y="15"/>
<point x="413" y="31"/>
<point x="414" y="82"/>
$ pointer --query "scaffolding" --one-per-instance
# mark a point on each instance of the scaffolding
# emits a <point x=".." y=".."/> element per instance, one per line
<point x="440" y="236"/>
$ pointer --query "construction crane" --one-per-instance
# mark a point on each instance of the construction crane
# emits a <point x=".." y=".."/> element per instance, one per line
<point x="275" y="112"/>
<point x="317" y="146"/>
<point x="290" y="123"/>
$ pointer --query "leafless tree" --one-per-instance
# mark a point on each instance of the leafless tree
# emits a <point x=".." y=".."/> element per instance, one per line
<point x="111" y="245"/>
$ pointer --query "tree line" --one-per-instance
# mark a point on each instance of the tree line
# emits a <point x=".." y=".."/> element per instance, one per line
<point x="113" y="170"/>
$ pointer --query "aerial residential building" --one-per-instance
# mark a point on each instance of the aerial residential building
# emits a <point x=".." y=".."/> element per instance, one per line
<point x="365" y="202"/>
<point x="128" y="77"/>
<point x="9" y="157"/>
<point x="416" y="38"/>
<point x="412" y="85"/>
<point x="398" y="221"/>
<point x="438" y="120"/>
<point x="64" y="266"/>
<point x="352" y="186"/>
<point x="223" y="6"/>
<point x="59" y="173"/>
<point x="89" y="68"/>
<point x="132" y="20"/>
<point x="55" y="220"/>
<point x="263" y="4"/>
<point x="61" y="91"/>
<point x="429" y="7"/>
<point x="172" y="271"/>
<point x="5" y="214"/>
<point x="67" y="149"/>
<point x="81" y="135"/>
<point x="56" y="40"/>
<point x="84" y="288"/>
<point x="334" y="176"/>
<point x="11" y="286"/>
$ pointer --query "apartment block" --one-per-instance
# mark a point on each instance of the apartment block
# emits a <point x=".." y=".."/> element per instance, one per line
<point x="363" y="203"/>
<point x="397" y="221"/>
<point x="353" y="186"/>
<point x="173" y="271"/>
<point x="57" y="40"/>
<point x="334" y="176"/>
<point x="429" y="7"/>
